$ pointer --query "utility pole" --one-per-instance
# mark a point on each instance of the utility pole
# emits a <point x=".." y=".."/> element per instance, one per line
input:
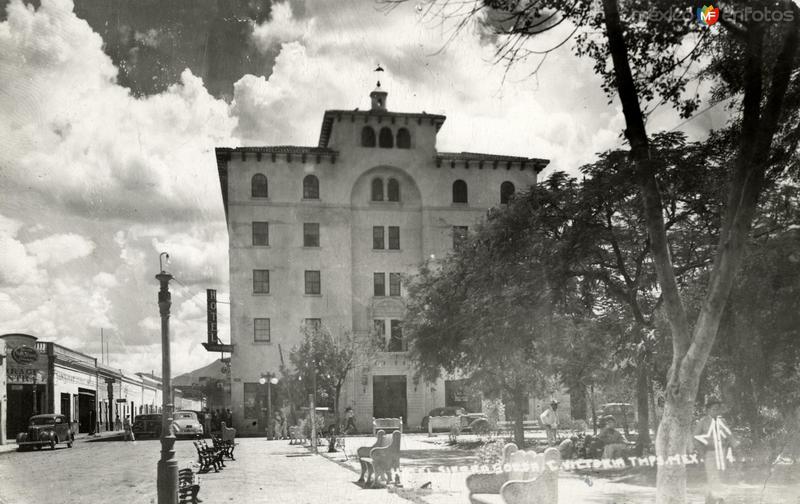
<point x="313" y="399"/>
<point x="167" y="468"/>
<point x="102" y="346"/>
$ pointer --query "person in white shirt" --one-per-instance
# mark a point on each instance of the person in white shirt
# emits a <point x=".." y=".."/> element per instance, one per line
<point x="549" y="420"/>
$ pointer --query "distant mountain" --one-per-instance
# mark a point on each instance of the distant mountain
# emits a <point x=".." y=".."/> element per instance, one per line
<point x="211" y="371"/>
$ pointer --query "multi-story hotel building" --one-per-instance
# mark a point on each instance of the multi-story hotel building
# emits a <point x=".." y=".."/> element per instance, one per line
<point x="325" y="234"/>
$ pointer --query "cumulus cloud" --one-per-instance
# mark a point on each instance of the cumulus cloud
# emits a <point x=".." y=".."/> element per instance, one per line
<point x="60" y="248"/>
<point x="282" y="26"/>
<point x="73" y="135"/>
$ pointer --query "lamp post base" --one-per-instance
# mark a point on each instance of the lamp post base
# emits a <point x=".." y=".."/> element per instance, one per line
<point x="167" y="473"/>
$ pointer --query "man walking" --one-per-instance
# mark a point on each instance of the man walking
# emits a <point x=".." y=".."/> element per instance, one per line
<point x="549" y="420"/>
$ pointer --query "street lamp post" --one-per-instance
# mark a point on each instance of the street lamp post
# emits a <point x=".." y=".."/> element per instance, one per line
<point x="167" y="471"/>
<point x="269" y="380"/>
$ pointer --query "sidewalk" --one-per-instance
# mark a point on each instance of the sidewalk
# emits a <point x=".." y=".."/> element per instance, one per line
<point x="274" y="471"/>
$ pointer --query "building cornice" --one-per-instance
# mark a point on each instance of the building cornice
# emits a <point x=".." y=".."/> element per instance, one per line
<point x="332" y="116"/>
<point x="494" y="161"/>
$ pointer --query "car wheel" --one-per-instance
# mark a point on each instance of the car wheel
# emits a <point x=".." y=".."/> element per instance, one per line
<point x="38" y="447"/>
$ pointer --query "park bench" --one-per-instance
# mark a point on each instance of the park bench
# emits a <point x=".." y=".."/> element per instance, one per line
<point x="363" y="452"/>
<point x="188" y="486"/>
<point x="442" y="422"/>
<point x="387" y="424"/>
<point x="382" y="460"/>
<point x="226" y="447"/>
<point x="208" y="457"/>
<point x="508" y="425"/>
<point x="533" y="479"/>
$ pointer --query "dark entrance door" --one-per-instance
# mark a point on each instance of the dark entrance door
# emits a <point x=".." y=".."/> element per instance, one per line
<point x="86" y="407"/>
<point x="389" y="397"/>
<point x="24" y="401"/>
<point x="66" y="406"/>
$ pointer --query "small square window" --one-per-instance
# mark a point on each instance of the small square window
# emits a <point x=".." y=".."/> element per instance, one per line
<point x="394" y="284"/>
<point x="379" y="280"/>
<point x="313" y="283"/>
<point x="394" y="238"/>
<point x="261" y="281"/>
<point x="313" y="324"/>
<point x="261" y="330"/>
<point x="377" y="238"/>
<point x="311" y="234"/>
<point x="260" y="234"/>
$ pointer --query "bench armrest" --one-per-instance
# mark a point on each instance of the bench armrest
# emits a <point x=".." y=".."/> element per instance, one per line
<point x="486" y="483"/>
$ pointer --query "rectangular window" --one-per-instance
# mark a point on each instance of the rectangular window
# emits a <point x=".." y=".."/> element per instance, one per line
<point x="380" y="333"/>
<point x="313" y="282"/>
<point x="379" y="280"/>
<point x="311" y="234"/>
<point x="394" y="238"/>
<point x="314" y="324"/>
<point x="459" y="236"/>
<point x="261" y="329"/>
<point x="377" y="238"/>
<point x="396" y="343"/>
<point x="260" y="233"/>
<point x="261" y="281"/>
<point x="394" y="284"/>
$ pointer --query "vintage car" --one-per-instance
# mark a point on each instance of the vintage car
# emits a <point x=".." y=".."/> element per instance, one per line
<point x="149" y="424"/>
<point x="186" y="423"/>
<point x="49" y="429"/>
<point x="476" y="423"/>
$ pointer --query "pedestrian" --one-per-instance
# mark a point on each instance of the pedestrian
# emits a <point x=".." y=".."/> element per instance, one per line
<point x="228" y="417"/>
<point x="350" y="421"/>
<point x="117" y="423"/>
<point x="128" y="429"/>
<point x="714" y="441"/>
<point x="614" y="443"/>
<point x="549" y="420"/>
<point x="207" y="422"/>
<point x="277" y="425"/>
<point x="215" y="420"/>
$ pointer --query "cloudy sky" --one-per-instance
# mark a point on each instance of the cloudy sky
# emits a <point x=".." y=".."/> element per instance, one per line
<point x="109" y="115"/>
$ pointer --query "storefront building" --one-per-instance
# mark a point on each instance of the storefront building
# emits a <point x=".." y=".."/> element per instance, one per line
<point x="45" y="377"/>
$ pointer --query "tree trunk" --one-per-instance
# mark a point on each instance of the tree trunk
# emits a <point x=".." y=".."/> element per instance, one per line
<point x="594" y="412"/>
<point x="519" y="417"/>
<point x="643" y="409"/>
<point x="673" y="439"/>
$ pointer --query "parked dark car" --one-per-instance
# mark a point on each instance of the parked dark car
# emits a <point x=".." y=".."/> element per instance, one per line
<point x="46" y="430"/>
<point x="446" y="411"/>
<point x="149" y="424"/>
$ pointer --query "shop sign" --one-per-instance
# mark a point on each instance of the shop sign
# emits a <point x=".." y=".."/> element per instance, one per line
<point x="25" y="355"/>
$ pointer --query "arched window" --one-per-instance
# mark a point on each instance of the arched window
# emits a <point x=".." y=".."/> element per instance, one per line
<point x="258" y="186"/>
<point x="459" y="191"/>
<point x="506" y="192"/>
<point x="310" y="187"/>
<point x="393" y="190"/>
<point x="403" y="139"/>
<point x="386" y="139"/>
<point x="367" y="137"/>
<point x="377" y="189"/>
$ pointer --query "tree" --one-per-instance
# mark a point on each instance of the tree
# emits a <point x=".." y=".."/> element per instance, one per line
<point x="648" y="64"/>
<point x="326" y="358"/>
<point x="485" y="312"/>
